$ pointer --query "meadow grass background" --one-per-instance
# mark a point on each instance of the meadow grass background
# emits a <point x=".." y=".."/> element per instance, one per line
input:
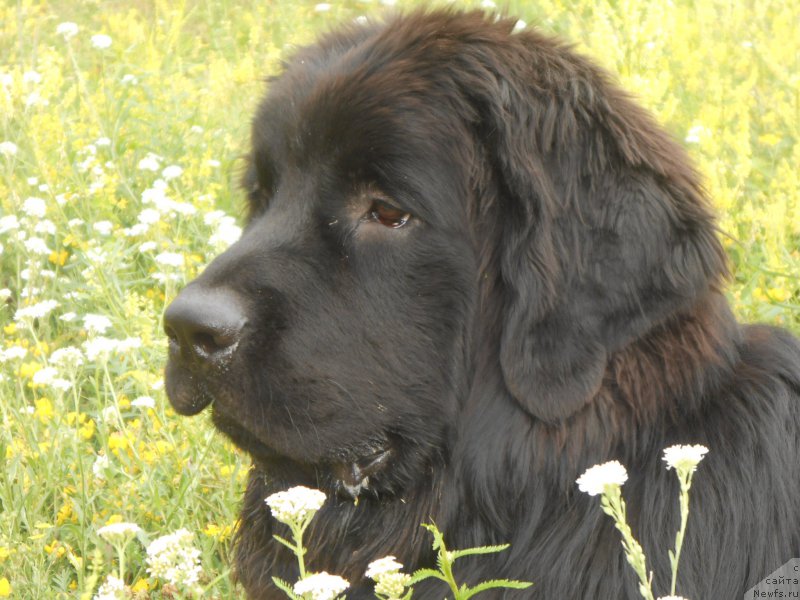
<point x="99" y="229"/>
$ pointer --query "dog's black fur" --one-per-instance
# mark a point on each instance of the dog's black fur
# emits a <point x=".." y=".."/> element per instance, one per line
<point x="552" y="302"/>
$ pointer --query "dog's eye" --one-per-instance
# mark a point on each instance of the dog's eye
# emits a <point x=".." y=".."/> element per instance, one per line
<point x="388" y="215"/>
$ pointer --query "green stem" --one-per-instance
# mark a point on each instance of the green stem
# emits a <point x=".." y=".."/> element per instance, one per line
<point x="121" y="554"/>
<point x="686" y="483"/>
<point x="299" y="551"/>
<point x="614" y="506"/>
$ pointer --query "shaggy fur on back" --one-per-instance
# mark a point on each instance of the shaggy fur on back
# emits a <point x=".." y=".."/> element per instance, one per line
<point x="553" y="301"/>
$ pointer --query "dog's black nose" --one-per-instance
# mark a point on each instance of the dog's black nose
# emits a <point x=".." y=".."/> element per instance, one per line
<point x="204" y="325"/>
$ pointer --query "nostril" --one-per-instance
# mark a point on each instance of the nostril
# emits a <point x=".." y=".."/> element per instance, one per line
<point x="171" y="335"/>
<point x="204" y="324"/>
<point x="210" y="343"/>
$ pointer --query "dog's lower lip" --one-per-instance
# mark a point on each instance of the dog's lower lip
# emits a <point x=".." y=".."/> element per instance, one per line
<point x="353" y="477"/>
<point x="375" y="462"/>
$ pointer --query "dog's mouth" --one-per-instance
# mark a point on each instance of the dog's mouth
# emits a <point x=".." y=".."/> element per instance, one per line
<point x="351" y="473"/>
<point x="353" y="478"/>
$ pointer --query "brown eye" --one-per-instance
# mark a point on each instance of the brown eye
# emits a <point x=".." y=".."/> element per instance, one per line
<point x="388" y="215"/>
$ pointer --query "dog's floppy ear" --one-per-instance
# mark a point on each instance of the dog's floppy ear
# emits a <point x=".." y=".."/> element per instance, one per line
<point x="604" y="231"/>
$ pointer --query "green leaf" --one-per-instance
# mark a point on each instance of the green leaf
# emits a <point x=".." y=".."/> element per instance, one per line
<point x="479" y="550"/>
<point x="422" y="574"/>
<point x="286" y="543"/>
<point x="286" y="588"/>
<point x="496" y="583"/>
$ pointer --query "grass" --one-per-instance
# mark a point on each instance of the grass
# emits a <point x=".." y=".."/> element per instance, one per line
<point x="82" y="444"/>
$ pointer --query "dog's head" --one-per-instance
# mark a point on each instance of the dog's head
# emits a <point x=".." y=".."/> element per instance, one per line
<point x="427" y="195"/>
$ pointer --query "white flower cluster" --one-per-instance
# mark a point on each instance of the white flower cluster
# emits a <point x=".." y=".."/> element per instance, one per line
<point x="118" y="532"/>
<point x="227" y="232"/>
<point x="101" y="463"/>
<point x="320" y="586"/>
<point x="684" y="458"/>
<point x="96" y="324"/>
<point x="174" y="559"/>
<point x="12" y="353"/>
<point x="112" y="589"/>
<point x="101" y="347"/>
<point x="35" y="311"/>
<point x="296" y="504"/>
<point x="144" y="402"/>
<point x="101" y="41"/>
<point x="389" y="581"/>
<point x="8" y="148"/>
<point x="49" y="376"/>
<point x="595" y="479"/>
<point x="68" y="357"/>
<point x="68" y="29"/>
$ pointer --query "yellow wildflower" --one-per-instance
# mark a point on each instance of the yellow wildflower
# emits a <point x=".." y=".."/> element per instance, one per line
<point x="59" y="258"/>
<point x="65" y="513"/>
<point x="86" y="431"/>
<point x="5" y="588"/>
<point x="29" y="369"/>
<point x="44" y="410"/>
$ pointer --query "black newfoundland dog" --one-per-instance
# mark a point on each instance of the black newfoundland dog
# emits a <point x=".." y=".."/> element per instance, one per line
<point x="472" y="268"/>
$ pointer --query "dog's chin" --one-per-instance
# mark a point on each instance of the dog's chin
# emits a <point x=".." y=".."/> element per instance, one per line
<point x="351" y="473"/>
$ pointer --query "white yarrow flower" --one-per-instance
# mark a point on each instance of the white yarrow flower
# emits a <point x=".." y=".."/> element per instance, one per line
<point x="144" y="402"/>
<point x="595" y="479"/>
<point x="149" y="216"/>
<point x="118" y="532"/>
<point x="226" y="234"/>
<point x="170" y="259"/>
<point x="101" y="41"/>
<point x="8" y="223"/>
<point x="389" y="581"/>
<point x="320" y="586"/>
<point x="174" y="559"/>
<point x="13" y="353"/>
<point x="96" y="323"/>
<point x="99" y="347"/>
<point x="31" y="77"/>
<point x="295" y="504"/>
<point x="387" y="564"/>
<point x="112" y="589"/>
<point x="684" y="457"/>
<point x="45" y="226"/>
<point x="151" y="162"/>
<point x="45" y="376"/>
<point x="68" y="357"/>
<point x="35" y="311"/>
<point x="68" y="29"/>
<point x="36" y="246"/>
<point x="34" y="207"/>
<point x="101" y="463"/>
<point x="171" y="172"/>
<point x="103" y="227"/>
<point x="8" y="148"/>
